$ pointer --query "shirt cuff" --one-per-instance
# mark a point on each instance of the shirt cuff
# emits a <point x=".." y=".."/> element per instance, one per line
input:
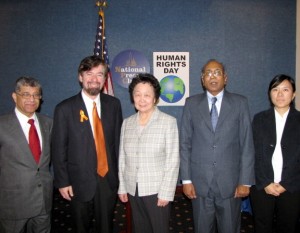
<point x="186" y="181"/>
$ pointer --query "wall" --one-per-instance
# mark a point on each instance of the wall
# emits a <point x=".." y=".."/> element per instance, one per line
<point x="47" y="39"/>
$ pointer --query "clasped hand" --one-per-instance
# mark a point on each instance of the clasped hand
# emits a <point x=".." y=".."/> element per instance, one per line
<point x="160" y="202"/>
<point x="190" y="192"/>
<point x="274" y="189"/>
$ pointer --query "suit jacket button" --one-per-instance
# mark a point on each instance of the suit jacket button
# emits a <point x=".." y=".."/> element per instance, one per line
<point x="271" y="145"/>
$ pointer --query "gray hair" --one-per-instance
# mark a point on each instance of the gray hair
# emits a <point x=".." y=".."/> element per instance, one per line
<point x="27" y="81"/>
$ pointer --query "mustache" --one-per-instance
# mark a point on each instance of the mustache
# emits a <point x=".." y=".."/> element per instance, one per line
<point x="89" y="83"/>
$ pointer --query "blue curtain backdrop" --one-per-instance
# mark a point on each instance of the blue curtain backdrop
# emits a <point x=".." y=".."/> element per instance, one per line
<point x="47" y="39"/>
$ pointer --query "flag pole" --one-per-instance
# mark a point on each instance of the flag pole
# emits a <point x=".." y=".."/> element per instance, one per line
<point x="102" y="4"/>
<point x="100" y="48"/>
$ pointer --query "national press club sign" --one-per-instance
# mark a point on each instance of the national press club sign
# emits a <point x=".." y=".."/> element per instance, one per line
<point x="126" y="65"/>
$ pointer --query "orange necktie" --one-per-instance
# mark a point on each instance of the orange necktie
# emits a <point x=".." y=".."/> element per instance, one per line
<point x="34" y="141"/>
<point x="102" y="166"/>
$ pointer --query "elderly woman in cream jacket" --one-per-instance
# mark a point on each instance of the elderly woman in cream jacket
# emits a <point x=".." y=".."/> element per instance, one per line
<point x="149" y="158"/>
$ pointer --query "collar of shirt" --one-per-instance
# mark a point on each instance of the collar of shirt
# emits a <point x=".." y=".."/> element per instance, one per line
<point x="280" y="123"/>
<point x="23" y="119"/>
<point x="282" y="118"/>
<point x="89" y="104"/>
<point x="219" y="100"/>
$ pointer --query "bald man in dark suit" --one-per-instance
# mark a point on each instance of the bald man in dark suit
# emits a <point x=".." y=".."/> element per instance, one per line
<point x="217" y="153"/>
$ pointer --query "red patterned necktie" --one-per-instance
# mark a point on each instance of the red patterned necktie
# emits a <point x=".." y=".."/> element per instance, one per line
<point x="102" y="166"/>
<point x="34" y="141"/>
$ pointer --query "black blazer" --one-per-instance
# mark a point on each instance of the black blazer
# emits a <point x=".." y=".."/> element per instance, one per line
<point x="73" y="148"/>
<point x="264" y="133"/>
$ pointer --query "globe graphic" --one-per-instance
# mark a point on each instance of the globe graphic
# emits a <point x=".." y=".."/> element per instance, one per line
<point x="172" y="89"/>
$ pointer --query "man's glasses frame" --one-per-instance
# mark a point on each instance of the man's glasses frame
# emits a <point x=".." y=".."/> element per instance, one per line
<point x="215" y="73"/>
<point x="27" y="96"/>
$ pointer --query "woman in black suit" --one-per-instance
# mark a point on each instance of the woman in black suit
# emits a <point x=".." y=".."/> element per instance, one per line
<point x="276" y="132"/>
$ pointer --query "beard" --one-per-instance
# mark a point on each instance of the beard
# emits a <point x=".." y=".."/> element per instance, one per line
<point x="93" y="91"/>
<point x="91" y="88"/>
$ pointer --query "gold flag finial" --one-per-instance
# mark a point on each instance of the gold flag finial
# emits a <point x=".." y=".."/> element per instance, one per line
<point x="101" y="4"/>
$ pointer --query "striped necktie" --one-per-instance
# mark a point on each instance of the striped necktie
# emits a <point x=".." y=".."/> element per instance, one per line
<point x="214" y="113"/>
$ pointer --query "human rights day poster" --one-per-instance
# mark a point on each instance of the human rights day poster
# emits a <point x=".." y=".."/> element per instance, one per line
<point x="172" y="71"/>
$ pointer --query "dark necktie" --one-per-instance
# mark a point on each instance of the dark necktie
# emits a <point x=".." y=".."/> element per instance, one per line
<point x="102" y="166"/>
<point x="34" y="141"/>
<point x="214" y="113"/>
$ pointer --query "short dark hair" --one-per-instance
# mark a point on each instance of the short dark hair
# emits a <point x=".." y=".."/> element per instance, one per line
<point x="90" y="62"/>
<point x="276" y="82"/>
<point x="145" y="78"/>
<point x="27" y="81"/>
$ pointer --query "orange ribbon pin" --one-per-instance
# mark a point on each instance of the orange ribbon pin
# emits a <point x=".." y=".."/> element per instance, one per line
<point x="82" y="116"/>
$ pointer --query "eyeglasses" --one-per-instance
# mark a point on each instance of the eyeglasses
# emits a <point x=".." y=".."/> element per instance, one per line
<point x="216" y="73"/>
<point x="26" y="95"/>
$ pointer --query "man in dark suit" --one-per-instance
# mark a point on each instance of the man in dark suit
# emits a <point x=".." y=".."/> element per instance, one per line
<point x="217" y="154"/>
<point x="25" y="181"/>
<point x="74" y="149"/>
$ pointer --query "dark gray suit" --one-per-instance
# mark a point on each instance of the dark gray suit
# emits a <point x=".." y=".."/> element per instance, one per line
<point x="26" y="187"/>
<point x="216" y="162"/>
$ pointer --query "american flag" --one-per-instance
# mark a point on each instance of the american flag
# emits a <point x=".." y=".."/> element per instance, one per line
<point x="101" y="50"/>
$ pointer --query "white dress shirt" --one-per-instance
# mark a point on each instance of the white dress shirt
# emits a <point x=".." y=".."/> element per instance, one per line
<point x="218" y="102"/>
<point x="277" y="160"/>
<point x="89" y="104"/>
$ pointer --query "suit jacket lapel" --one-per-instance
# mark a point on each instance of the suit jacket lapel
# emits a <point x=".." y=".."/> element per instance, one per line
<point x="205" y="115"/>
<point x="44" y="140"/>
<point x="18" y="134"/>
<point x="154" y="117"/>
<point x="270" y="126"/>
<point x="85" y="126"/>
<point x="105" y="110"/>
<point x="289" y="127"/>
<point x="106" y="118"/>
<point x="226" y="108"/>
<point x="45" y="133"/>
